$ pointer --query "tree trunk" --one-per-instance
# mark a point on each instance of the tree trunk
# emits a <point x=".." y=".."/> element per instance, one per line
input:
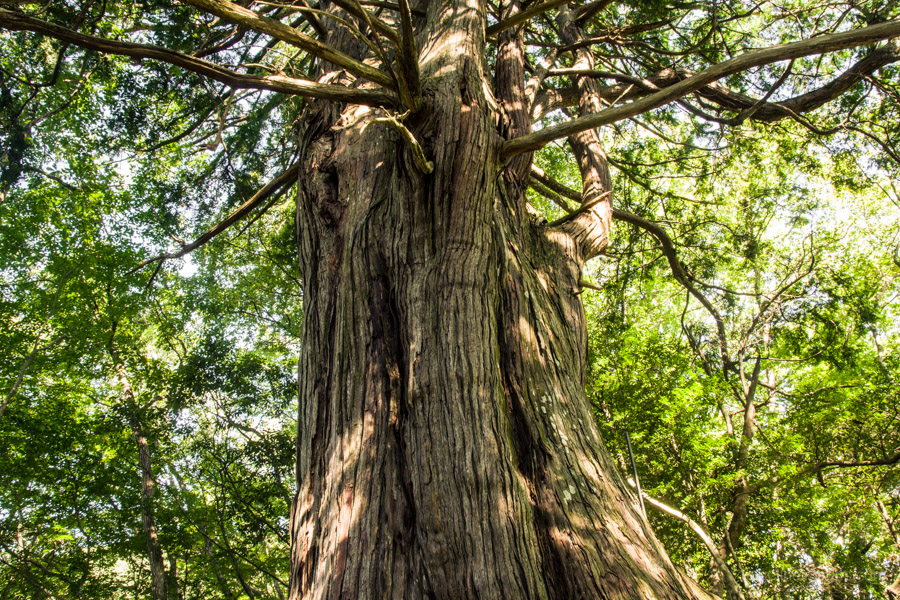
<point x="172" y="579"/>
<point x="446" y="448"/>
<point x="893" y="590"/>
<point x="148" y="483"/>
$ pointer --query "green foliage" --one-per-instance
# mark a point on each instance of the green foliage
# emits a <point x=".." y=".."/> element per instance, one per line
<point x="793" y="248"/>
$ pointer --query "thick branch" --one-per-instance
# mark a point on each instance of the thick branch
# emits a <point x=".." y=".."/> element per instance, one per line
<point x="551" y="99"/>
<point x="408" y="58"/>
<point x="511" y="95"/>
<point x="276" y="83"/>
<point x="774" y="111"/>
<point x="239" y="15"/>
<point x="286" y="178"/>
<point x="761" y="111"/>
<point x="537" y="81"/>
<point x="754" y="58"/>
<point x="589" y="10"/>
<point x="355" y="8"/>
<point x="589" y="227"/>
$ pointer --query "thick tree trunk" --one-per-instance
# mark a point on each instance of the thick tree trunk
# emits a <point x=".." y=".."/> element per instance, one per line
<point x="446" y="448"/>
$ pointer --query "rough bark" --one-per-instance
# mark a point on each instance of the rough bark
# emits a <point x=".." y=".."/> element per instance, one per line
<point x="446" y="448"/>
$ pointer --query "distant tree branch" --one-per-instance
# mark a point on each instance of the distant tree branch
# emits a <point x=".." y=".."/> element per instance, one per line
<point x="277" y="83"/>
<point x="37" y="347"/>
<point x="28" y="360"/>
<point x="681" y="274"/>
<point x="829" y="388"/>
<point x="186" y="510"/>
<point x="748" y="60"/>
<point x="273" y="187"/>
<point x="818" y="467"/>
<point x="31" y="579"/>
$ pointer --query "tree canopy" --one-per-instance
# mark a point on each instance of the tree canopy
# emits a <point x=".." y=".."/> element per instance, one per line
<point x="743" y="309"/>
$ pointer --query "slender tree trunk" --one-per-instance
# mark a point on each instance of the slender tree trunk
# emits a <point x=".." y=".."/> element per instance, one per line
<point x="172" y="579"/>
<point x="232" y="557"/>
<point x="148" y="483"/>
<point x="446" y="447"/>
<point x="217" y="571"/>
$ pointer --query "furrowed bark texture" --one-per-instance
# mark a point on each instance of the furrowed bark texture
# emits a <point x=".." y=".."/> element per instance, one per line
<point x="446" y="448"/>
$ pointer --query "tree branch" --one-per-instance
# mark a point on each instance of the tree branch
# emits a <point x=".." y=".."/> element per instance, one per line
<point x="730" y="581"/>
<point x="753" y="58"/>
<point x="277" y="83"/>
<point x="589" y="10"/>
<point x="237" y="14"/>
<point x="376" y="24"/>
<point x="774" y="111"/>
<point x="818" y="467"/>
<point x="758" y="110"/>
<point x="563" y="190"/>
<point x="273" y="187"/>
<point x="681" y="275"/>
<point x="546" y="192"/>
<point x="408" y="58"/>
<point x="587" y="206"/>
<point x="590" y="224"/>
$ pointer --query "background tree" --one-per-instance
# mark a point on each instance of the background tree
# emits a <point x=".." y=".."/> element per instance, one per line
<point x="446" y="444"/>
